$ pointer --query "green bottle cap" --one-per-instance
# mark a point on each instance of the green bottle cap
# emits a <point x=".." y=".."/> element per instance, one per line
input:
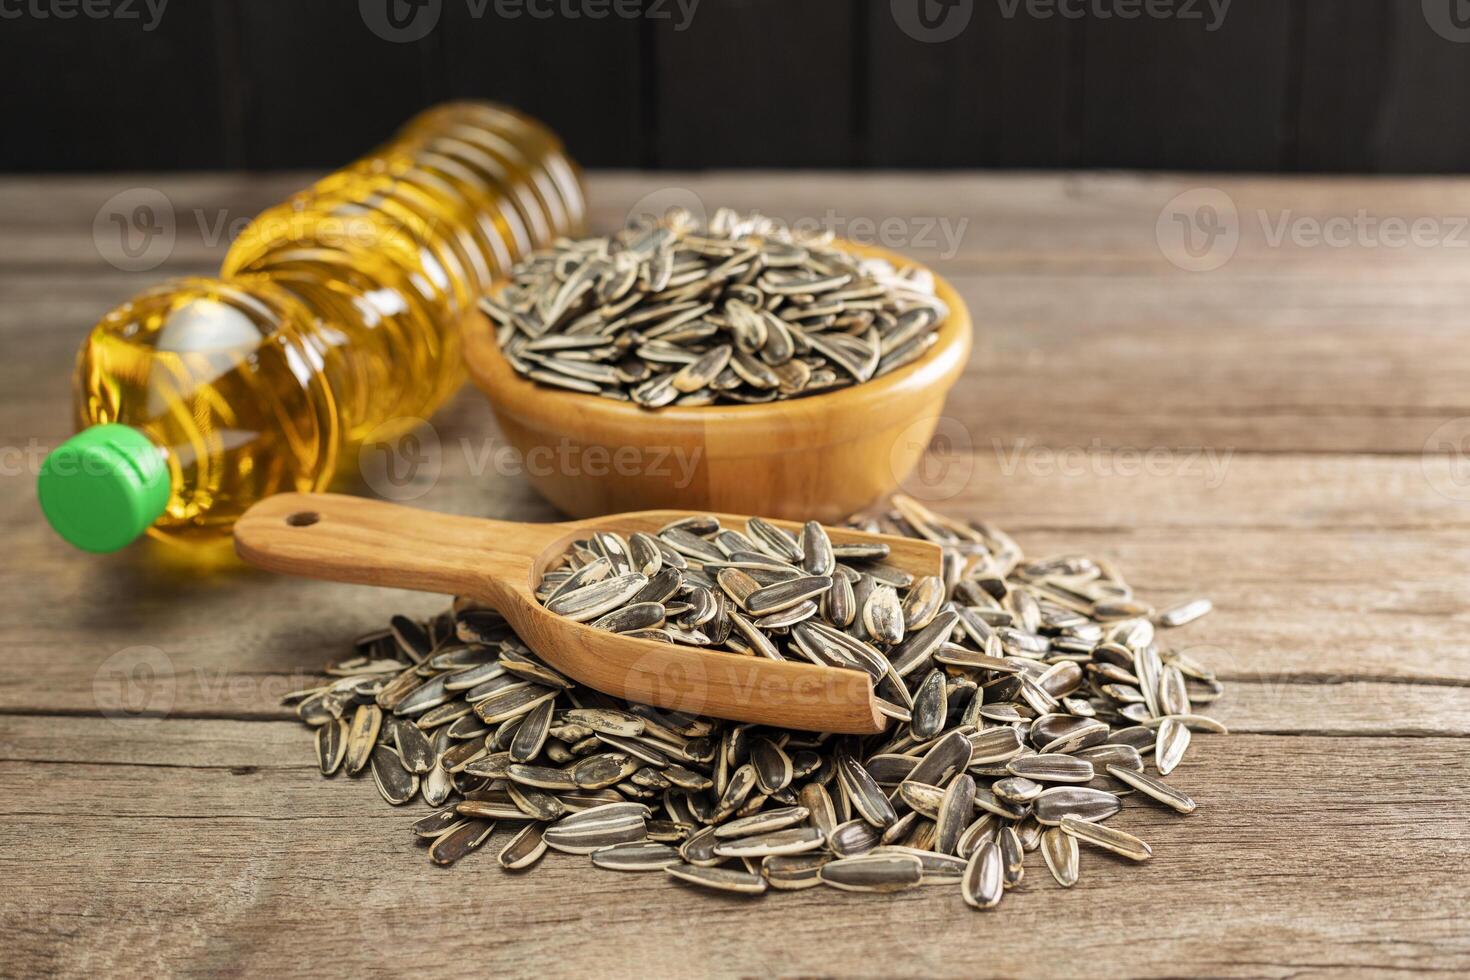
<point x="104" y="487"/>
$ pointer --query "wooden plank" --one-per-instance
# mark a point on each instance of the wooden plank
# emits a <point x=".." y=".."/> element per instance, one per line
<point x="322" y="85"/>
<point x="116" y="86"/>
<point x="757" y="83"/>
<point x="1323" y="570"/>
<point x="1167" y="69"/>
<point x="1132" y="362"/>
<point x="1000" y="91"/>
<point x="192" y="863"/>
<point x="1392" y="622"/>
<point x="1065" y="223"/>
<point x="582" y="76"/>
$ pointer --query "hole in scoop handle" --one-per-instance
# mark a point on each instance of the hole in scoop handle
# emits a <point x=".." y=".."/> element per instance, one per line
<point x="342" y="538"/>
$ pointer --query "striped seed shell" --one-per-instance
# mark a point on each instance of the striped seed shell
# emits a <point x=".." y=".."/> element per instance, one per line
<point x="955" y="810"/>
<point x="1171" y="742"/>
<point x="635" y="856"/>
<point x="1050" y="767"/>
<point x="1154" y="788"/>
<point x="983" y="885"/>
<point x="524" y="849"/>
<point x="1108" y="838"/>
<point x="719" y="879"/>
<point x="1081" y="802"/>
<point x="461" y="840"/>
<point x="881" y="873"/>
<point x="394" y="782"/>
<point x="1059" y="849"/>
<point x="791" y="840"/>
<point x="792" y="872"/>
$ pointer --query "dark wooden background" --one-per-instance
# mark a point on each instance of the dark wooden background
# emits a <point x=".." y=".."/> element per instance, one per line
<point x="1281" y="85"/>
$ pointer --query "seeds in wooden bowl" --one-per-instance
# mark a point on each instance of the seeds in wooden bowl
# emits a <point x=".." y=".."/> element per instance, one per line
<point x="742" y="311"/>
<point x="1008" y="736"/>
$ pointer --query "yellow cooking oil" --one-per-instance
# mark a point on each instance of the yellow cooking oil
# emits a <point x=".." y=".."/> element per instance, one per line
<point x="338" y="314"/>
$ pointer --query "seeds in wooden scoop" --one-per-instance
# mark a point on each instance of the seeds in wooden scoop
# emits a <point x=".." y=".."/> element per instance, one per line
<point x="1024" y="702"/>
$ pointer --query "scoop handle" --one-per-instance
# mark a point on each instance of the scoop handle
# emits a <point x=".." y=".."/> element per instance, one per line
<point x="342" y="538"/>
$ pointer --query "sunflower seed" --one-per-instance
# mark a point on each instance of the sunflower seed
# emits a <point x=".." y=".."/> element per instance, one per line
<point x="1184" y="614"/>
<point x="1051" y="768"/>
<point x="866" y="797"/>
<point x="414" y="747"/>
<point x="1076" y="801"/>
<point x="636" y="856"/>
<point x="792" y="840"/>
<point x="792" y="872"/>
<point x="984" y="883"/>
<point x="1059" y="849"/>
<point x="873" y="872"/>
<point x="719" y="879"/>
<point x="461" y="840"/>
<point x="1172" y="740"/>
<point x="783" y="595"/>
<point x="524" y="849"/>
<point x="852" y="837"/>
<point x="591" y="601"/>
<point x="763" y="822"/>
<point x="394" y="782"/>
<point x="530" y="737"/>
<point x="1155" y="788"/>
<point x="331" y="745"/>
<point x="599" y="827"/>
<point x="954" y="813"/>
<point x="1108" y="838"/>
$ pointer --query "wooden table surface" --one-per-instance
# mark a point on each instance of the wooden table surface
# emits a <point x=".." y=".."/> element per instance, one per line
<point x="1278" y="433"/>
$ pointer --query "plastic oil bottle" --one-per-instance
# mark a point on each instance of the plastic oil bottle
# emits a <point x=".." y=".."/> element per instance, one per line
<point x="336" y="313"/>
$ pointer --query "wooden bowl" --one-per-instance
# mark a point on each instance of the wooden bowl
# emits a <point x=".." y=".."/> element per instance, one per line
<point x="822" y="457"/>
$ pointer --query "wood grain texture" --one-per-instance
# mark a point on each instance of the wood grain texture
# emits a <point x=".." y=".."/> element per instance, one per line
<point x="162" y="814"/>
<point x="175" y="849"/>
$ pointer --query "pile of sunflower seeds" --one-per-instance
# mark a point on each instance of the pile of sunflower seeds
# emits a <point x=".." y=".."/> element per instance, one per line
<point x="1027" y="697"/>
<point x="744" y="311"/>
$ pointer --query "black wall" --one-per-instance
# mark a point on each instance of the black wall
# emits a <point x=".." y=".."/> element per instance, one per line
<point x="1274" y="85"/>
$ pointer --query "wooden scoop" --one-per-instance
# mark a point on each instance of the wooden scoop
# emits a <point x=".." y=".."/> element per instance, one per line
<point x="368" y="542"/>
